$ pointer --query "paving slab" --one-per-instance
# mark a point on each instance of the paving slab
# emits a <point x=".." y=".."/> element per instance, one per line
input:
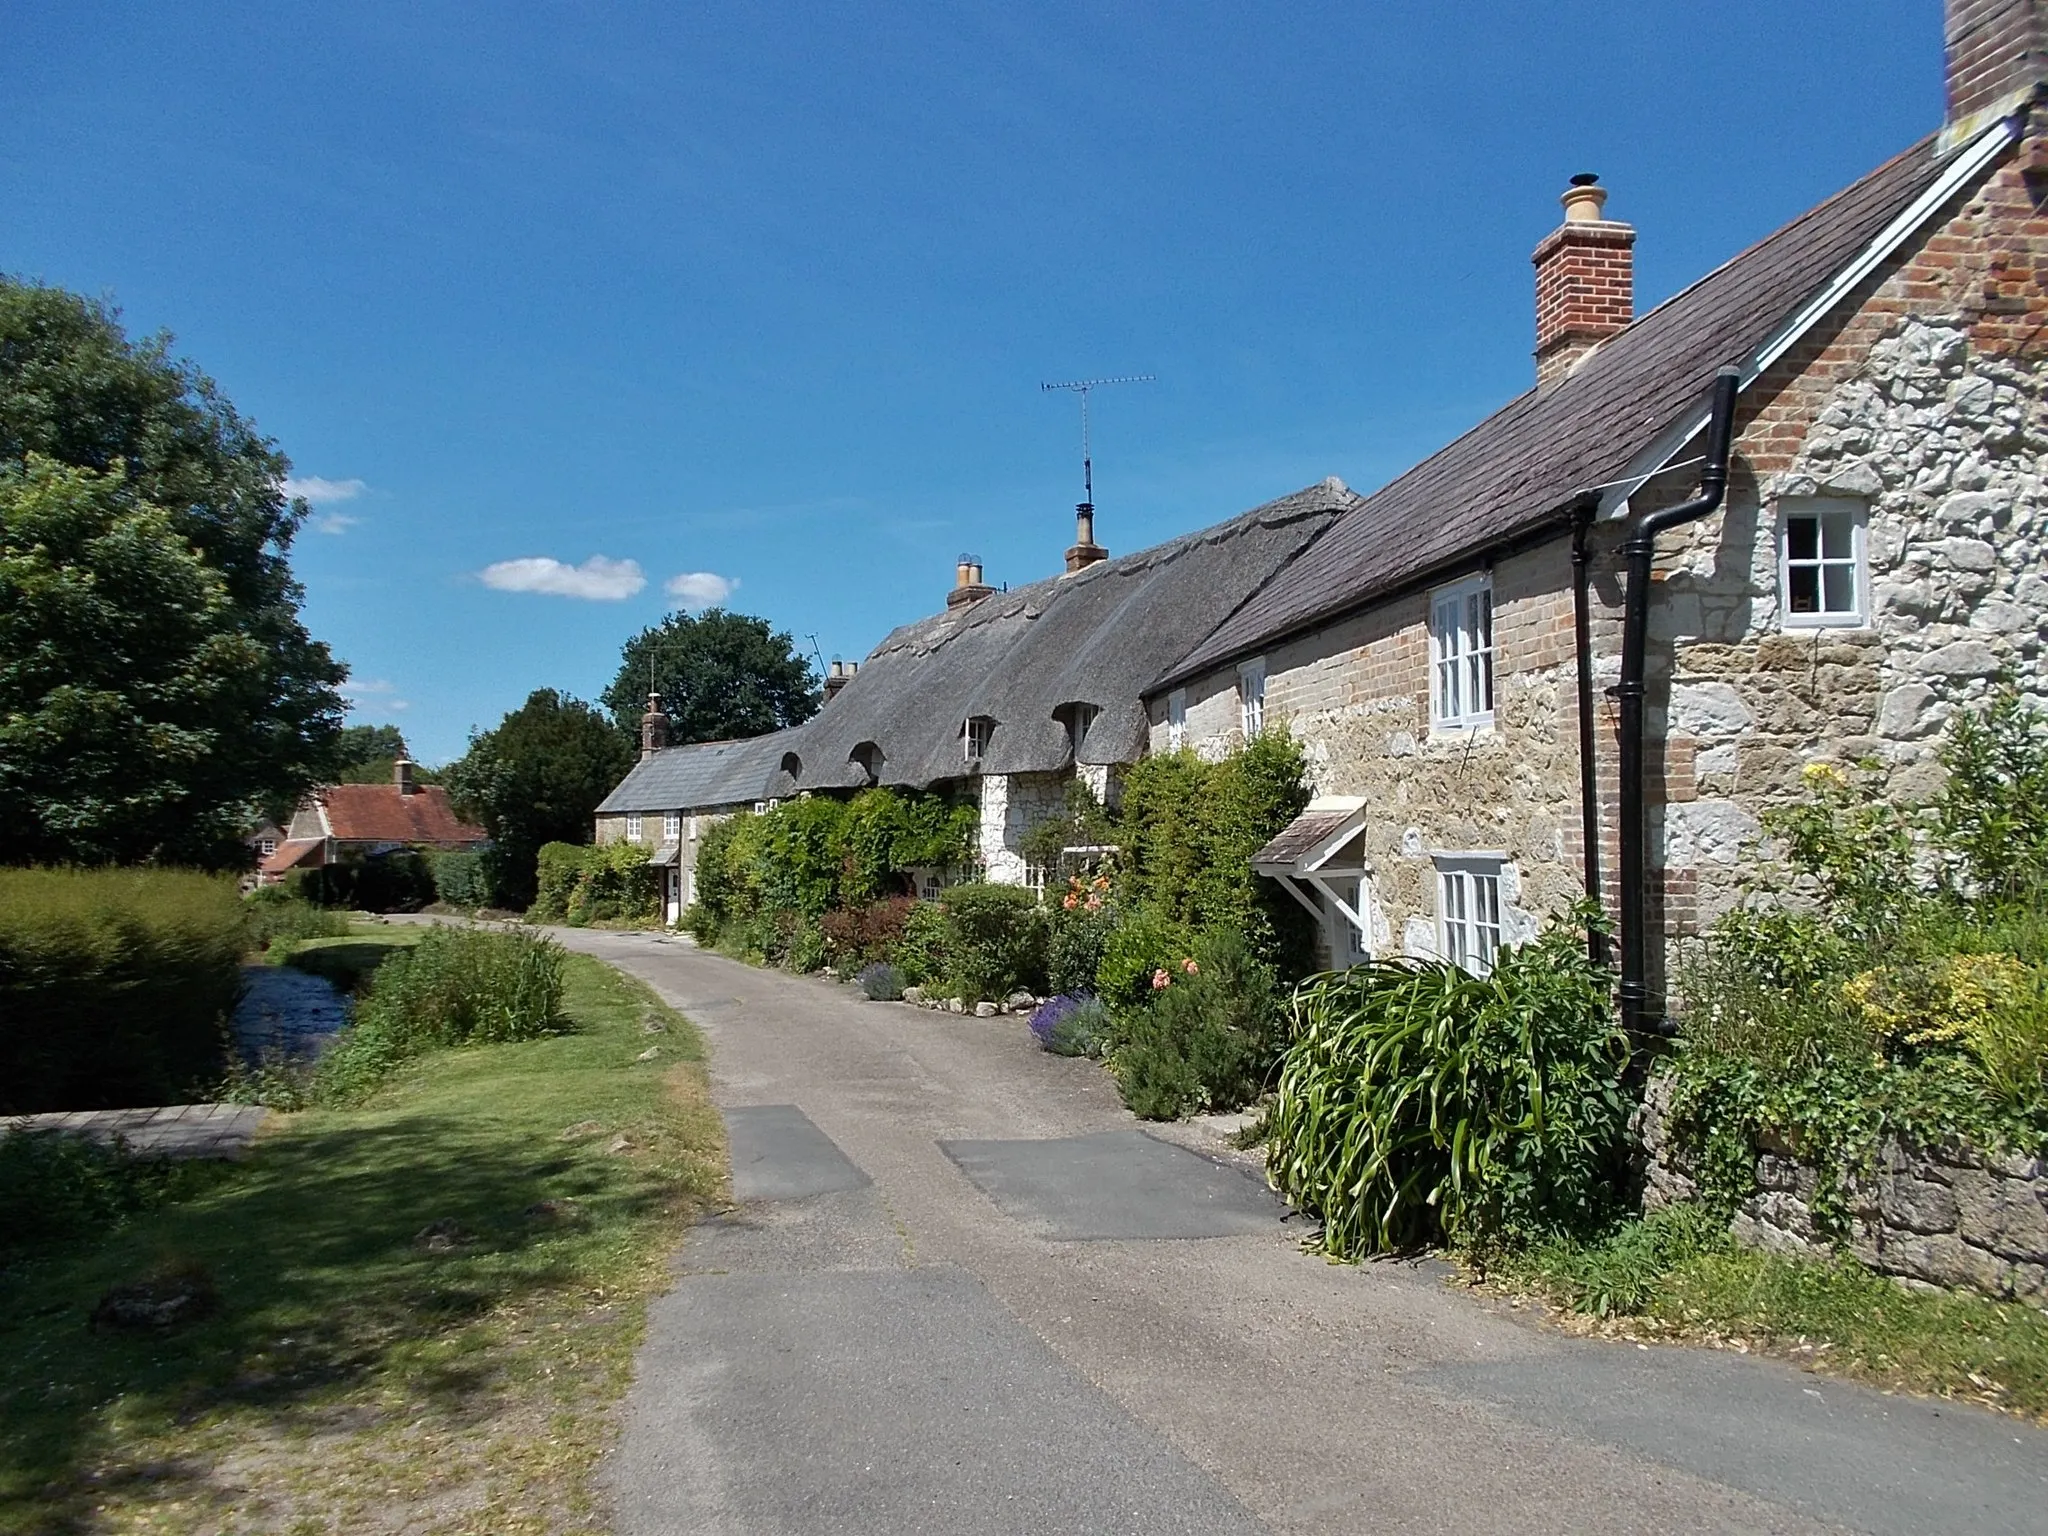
<point x="1115" y="1185"/>
<point x="778" y="1154"/>
<point x="171" y="1130"/>
<point x="918" y="1404"/>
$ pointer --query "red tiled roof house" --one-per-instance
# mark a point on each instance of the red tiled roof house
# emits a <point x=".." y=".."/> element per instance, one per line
<point x="346" y="822"/>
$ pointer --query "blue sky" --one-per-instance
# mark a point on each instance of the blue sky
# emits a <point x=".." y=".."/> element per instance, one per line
<point x="762" y="295"/>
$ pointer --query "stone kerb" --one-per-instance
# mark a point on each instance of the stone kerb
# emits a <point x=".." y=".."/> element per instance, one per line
<point x="1954" y="1219"/>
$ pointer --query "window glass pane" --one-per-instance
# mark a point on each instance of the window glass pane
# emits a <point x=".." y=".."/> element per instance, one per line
<point x="1804" y="581"/>
<point x="1802" y="537"/>
<point x="1837" y="535"/>
<point x="1839" y="588"/>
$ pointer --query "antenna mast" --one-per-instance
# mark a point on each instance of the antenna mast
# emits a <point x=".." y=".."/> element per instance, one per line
<point x="1081" y="387"/>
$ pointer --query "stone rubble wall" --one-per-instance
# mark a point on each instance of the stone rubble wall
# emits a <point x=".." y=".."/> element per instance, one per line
<point x="1951" y="1219"/>
<point x="1013" y="806"/>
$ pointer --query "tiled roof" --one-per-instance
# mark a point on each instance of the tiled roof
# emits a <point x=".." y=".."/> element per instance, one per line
<point x="1301" y="836"/>
<point x="1521" y="467"/>
<point x="701" y="775"/>
<point x="290" y="855"/>
<point x="378" y="813"/>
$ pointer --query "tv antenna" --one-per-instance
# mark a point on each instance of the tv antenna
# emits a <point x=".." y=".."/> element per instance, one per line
<point x="1082" y="387"/>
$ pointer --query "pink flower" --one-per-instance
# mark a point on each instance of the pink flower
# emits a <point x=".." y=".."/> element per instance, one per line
<point x="1068" y="903"/>
<point x="1094" y="903"/>
<point x="1161" y="981"/>
<point x="1190" y="967"/>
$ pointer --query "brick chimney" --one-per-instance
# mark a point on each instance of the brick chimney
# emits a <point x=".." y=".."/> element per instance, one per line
<point x="838" y="676"/>
<point x="1997" y="54"/>
<point x="653" y="728"/>
<point x="401" y="775"/>
<point x="968" y="586"/>
<point x="1085" y="551"/>
<point x="1585" y="281"/>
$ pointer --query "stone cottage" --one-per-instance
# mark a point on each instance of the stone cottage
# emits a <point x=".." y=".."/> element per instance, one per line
<point x="347" y="823"/>
<point x="1007" y="696"/>
<point x="1867" y="556"/>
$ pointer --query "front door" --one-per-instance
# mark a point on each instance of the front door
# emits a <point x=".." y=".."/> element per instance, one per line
<point x="672" y="905"/>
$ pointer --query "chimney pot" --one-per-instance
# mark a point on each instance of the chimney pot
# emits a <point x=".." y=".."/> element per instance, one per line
<point x="1585" y="280"/>
<point x="968" y="586"/>
<point x="401" y="775"/>
<point x="653" y="728"/>
<point x="1086" y="551"/>
<point x="840" y="674"/>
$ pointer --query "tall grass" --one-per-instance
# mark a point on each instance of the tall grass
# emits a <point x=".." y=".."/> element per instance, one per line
<point x="115" y="985"/>
<point x="457" y="986"/>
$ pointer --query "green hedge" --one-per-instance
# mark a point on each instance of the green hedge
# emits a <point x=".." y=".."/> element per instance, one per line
<point x="461" y="879"/>
<point x="115" y="985"/>
<point x="580" y="884"/>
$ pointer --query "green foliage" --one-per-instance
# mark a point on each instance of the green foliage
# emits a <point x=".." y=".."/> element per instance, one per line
<point x="360" y="744"/>
<point x="719" y="674"/>
<point x="885" y="834"/>
<point x="1081" y="924"/>
<point x="1910" y="1000"/>
<point x="1208" y="1038"/>
<point x="156" y="685"/>
<point x="1421" y="1102"/>
<point x="1188" y="829"/>
<point x="537" y="778"/>
<point x="461" y="879"/>
<point x="923" y="953"/>
<point x="115" y="985"/>
<point x="1081" y="823"/>
<point x="995" y="941"/>
<point x="273" y="915"/>
<point x="401" y="880"/>
<point x="863" y="936"/>
<point x="1622" y="1272"/>
<point x="1142" y="946"/>
<point x="54" y="1186"/>
<point x="457" y="986"/>
<point x="595" y="883"/>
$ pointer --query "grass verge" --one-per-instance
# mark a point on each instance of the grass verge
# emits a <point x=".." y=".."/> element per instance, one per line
<point x="346" y="960"/>
<point x="427" y="1305"/>
<point x="1669" y="1278"/>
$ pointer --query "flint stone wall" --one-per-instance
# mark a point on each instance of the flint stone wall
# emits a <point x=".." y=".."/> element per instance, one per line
<point x="1950" y="1220"/>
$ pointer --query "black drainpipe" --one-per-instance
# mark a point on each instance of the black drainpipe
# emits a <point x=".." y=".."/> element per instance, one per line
<point x="1637" y="554"/>
<point x="1589" y="768"/>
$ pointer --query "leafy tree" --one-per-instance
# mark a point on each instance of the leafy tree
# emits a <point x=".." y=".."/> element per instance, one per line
<point x="156" y="685"/>
<point x="369" y="754"/>
<point x="534" y="780"/>
<point x="719" y="674"/>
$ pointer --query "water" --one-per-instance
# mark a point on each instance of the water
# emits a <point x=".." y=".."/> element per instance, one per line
<point x="286" y="1012"/>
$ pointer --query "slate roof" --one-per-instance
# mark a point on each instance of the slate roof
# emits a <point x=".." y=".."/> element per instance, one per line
<point x="1301" y="836"/>
<point x="701" y="775"/>
<point x="1097" y="637"/>
<point x="378" y="813"/>
<point x="1521" y="467"/>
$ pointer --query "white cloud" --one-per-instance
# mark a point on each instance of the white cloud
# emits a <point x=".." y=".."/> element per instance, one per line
<point x="700" y="589"/>
<point x="335" y="522"/>
<point x="597" y="579"/>
<point x="321" y="492"/>
<point x="374" y="692"/>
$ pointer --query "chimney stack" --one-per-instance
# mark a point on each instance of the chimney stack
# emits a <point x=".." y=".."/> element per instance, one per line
<point x="653" y="728"/>
<point x="1997" y="55"/>
<point x="968" y="586"/>
<point x="1585" y="281"/>
<point x="1085" y="551"/>
<point x="401" y="775"/>
<point x="838" y="676"/>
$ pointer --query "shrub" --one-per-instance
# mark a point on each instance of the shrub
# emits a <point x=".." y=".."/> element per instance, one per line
<point x="1207" y="1039"/>
<point x="995" y="938"/>
<point x="1421" y="1102"/>
<point x="881" y="983"/>
<point x="1079" y="929"/>
<point x="807" y="948"/>
<point x="54" y="1186"/>
<point x="397" y="881"/>
<point x="457" y="986"/>
<point x="859" y="936"/>
<point x="1132" y="953"/>
<point x="462" y="879"/>
<point x="1072" y="1026"/>
<point x="580" y="884"/>
<point x="115" y="985"/>
<point x="275" y="915"/>
<point x="924" y="954"/>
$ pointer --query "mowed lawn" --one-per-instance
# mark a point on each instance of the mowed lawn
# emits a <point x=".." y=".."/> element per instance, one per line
<point x="427" y="1306"/>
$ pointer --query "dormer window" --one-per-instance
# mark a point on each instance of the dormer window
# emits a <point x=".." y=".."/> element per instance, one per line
<point x="975" y="736"/>
<point x="867" y="757"/>
<point x="1077" y="718"/>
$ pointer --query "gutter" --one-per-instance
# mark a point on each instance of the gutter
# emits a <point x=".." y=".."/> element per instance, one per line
<point x="1638" y="553"/>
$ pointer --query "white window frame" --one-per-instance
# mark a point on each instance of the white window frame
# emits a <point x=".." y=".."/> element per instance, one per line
<point x="267" y="847"/>
<point x="1468" y="908"/>
<point x="633" y="827"/>
<point x="1176" y="719"/>
<point x="671" y="826"/>
<point x="976" y="732"/>
<point x="1251" y="697"/>
<point x="1827" y="510"/>
<point x="1461" y="655"/>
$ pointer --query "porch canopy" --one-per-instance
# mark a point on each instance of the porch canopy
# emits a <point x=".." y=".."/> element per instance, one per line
<point x="665" y="856"/>
<point x="1319" y="851"/>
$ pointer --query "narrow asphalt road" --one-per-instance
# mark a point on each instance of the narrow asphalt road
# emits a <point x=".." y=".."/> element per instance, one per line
<point x="963" y="1291"/>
